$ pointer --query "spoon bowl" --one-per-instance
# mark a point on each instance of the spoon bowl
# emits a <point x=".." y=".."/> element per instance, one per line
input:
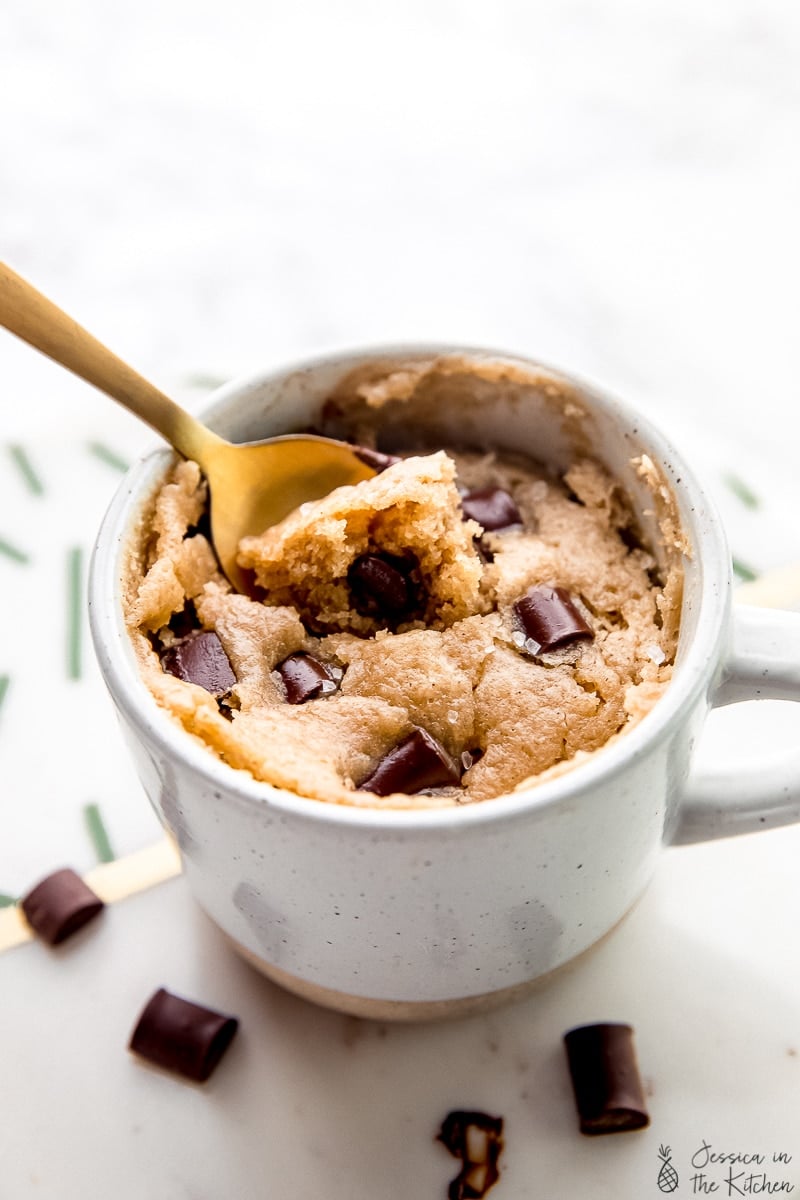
<point x="256" y="484"/>
<point x="252" y="486"/>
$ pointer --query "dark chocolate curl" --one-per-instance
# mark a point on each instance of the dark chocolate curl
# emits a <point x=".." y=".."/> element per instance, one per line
<point x="477" y="1139"/>
<point x="418" y="762"/>
<point x="60" y="905"/>
<point x="492" y="508"/>
<point x="200" y="658"/>
<point x="182" y="1037"/>
<point x="304" y="677"/>
<point x="605" y="1078"/>
<point x="378" y="580"/>
<point x="549" y="617"/>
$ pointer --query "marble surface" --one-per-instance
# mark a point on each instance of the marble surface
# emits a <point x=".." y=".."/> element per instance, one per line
<point x="308" y="1103"/>
<point x="212" y="190"/>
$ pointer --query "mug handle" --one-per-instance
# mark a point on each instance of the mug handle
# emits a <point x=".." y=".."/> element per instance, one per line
<point x="762" y="663"/>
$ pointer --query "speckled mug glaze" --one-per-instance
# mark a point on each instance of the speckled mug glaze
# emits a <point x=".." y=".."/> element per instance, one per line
<point x="412" y="915"/>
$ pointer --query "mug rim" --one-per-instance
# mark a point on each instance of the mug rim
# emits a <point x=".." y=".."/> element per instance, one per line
<point x="129" y="692"/>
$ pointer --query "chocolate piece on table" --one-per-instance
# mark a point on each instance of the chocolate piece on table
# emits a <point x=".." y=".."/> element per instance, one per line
<point x="305" y="677"/>
<point x="181" y="1036"/>
<point x="605" y="1078"/>
<point x="417" y="762"/>
<point x="60" y="905"/>
<point x="379" y="581"/>
<point x="375" y="458"/>
<point x="200" y="658"/>
<point x="549" y="617"/>
<point x="477" y="1139"/>
<point x="493" y="508"/>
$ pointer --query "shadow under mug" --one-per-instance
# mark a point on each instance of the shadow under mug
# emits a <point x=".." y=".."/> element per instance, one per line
<point x="420" y="914"/>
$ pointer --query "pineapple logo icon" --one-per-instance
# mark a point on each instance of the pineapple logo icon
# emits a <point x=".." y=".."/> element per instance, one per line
<point x="667" y="1176"/>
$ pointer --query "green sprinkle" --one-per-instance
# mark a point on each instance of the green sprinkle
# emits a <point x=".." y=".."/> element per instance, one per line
<point x="5" y="681"/>
<point x="7" y="901"/>
<point x="97" y="832"/>
<point x="74" y="611"/>
<point x="746" y="573"/>
<point x="740" y="489"/>
<point x="19" y="455"/>
<point x="108" y="456"/>
<point x="13" y="552"/>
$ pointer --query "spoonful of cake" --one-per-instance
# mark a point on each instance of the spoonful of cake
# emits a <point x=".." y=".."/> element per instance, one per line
<point x="251" y="485"/>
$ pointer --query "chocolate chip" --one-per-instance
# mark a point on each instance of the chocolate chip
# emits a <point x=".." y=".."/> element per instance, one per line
<point x="493" y="508"/>
<point x="305" y="677"/>
<point x="181" y="1036"/>
<point x="375" y="458"/>
<point x="60" y="905"/>
<point x="200" y="658"/>
<point x="477" y="1139"/>
<point x="605" y="1078"/>
<point x="418" y="762"/>
<point x="380" y="584"/>
<point x="549" y="618"/>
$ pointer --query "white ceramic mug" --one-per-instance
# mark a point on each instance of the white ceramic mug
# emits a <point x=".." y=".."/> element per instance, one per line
<point x="417" y="914"/>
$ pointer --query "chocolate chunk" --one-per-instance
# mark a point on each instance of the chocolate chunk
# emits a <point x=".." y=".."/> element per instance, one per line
<point x="492" y="508"/>
<point x="376" y="458"/>
<point x="305" y="677"/>
<point x="200" y="658"/>
<point x="181" y="1036"/>
<point x="477" y="1139"/>
<point x="380" y="582"/>
<point x="60" y="905"/>
<point x="605" y="1078"/>
<point x="417" y="762"/>
<point x="549" y="618"/>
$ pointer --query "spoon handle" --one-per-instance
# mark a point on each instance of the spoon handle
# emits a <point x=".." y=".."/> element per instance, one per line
<point x="40" y="323"/>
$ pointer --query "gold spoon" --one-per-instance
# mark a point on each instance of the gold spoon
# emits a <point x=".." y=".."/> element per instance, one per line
<point x="252" y="485"/>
